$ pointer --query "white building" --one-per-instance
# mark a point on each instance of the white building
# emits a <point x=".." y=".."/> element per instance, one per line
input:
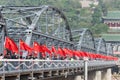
<point x="86" y="3"/>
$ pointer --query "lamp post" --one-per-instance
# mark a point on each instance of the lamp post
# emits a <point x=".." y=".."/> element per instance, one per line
<point x="85" y="68"/>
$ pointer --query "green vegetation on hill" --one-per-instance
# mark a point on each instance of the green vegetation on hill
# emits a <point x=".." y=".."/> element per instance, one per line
<point x="112" y="4"/>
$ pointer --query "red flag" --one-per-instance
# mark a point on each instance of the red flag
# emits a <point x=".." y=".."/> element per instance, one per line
<point x="41" y="49"/>
<point x="95" y="55"/>
<point x="36" y="47"/>
<point x="67" y="51"/>
<point x="47" y="50"/>
<point x="24" y="46"/>
<point x="76" y="53"/>
<point x="10" y="45"/>
<point x="92" y="55"/>
<point x="54" y="50"/>
<point x="98" y="56"/>
<point x="61" y="52"/>
<point x="86" y="54"/>
<point x="82" y="54"/>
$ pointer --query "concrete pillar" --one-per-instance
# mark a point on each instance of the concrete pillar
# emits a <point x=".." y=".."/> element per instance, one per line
<point x="106" y="75"/>
<point x="78" y="77"/>
<point x="97" y="75"/>
<point x="109" y="74"/>
<point x="91" y="75"/>
<point x="94" y="75"/>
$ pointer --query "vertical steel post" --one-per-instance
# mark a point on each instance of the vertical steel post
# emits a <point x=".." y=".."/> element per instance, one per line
<point x="32" y="69"/>
<point x="85" y="68"/>
<point x="3" y="37"/>
<point x="19" y="70"/>
<point x="4" y="70"/>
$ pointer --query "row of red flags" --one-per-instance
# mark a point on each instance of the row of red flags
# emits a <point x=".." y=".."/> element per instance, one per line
<point x="63" y="52"/>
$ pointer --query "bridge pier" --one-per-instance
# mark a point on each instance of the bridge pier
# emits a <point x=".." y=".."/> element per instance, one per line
<point x="91" y="75"/>
<point x="100" y="75"/>
<point x="106" y="74"/>
<point x="94" y="75"/>
<point x="78" y="77"/>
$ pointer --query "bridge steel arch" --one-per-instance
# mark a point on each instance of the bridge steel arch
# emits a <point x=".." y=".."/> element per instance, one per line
<point x="45" y="24"/>
<point x="101" y="46"/>
<point x="109" y="49"/>
<point x="3" y="31"/>
<point x="84" y="40"/>
<point x="62" y="31"/>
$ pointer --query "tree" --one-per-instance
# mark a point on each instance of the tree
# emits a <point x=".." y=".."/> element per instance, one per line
<point x="96" y="16"/>
<point x="104" y="10"/>
<point x="103" y="7"/>
<point x="99" y="29"/>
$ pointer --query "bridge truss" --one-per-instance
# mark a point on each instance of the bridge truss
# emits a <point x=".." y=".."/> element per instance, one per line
<point x="46" y="25"/>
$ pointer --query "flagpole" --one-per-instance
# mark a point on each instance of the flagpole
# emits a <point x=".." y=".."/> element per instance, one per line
<point x="19" y="58"/>
<point x="33" y="52"/>
<point x="19" y="48"/>
<point x="3" y="58"/>
<point x="4" y="46"/>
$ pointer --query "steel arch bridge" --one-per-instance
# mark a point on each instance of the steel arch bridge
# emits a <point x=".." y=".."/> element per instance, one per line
<point x="47" y="25"/>
<point x="84" y="40"/>
<point x="101" y="46"/>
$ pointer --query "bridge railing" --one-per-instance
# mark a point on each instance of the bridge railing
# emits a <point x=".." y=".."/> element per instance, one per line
<point x="118" y="62"/>
<point x="9" y="65"/>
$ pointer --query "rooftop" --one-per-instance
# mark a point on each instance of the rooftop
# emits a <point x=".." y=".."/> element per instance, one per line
<point x="111" y="37"/>
<point x="112" y="15"/>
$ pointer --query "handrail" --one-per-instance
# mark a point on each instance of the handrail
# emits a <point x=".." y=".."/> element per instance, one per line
<point x="17" y="65"/>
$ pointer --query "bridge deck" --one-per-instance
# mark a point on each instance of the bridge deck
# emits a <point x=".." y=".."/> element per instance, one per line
<point x="50" y="68"/>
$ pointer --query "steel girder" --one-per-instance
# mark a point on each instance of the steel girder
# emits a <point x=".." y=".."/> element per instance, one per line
<point x="84" y="40"/>
<point x="101" y="46"/>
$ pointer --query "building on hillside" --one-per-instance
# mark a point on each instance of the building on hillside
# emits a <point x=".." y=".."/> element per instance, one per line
<point x="114" y="39"/>
<point x="112" y="19"/>
<point x="87" y="3"/>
